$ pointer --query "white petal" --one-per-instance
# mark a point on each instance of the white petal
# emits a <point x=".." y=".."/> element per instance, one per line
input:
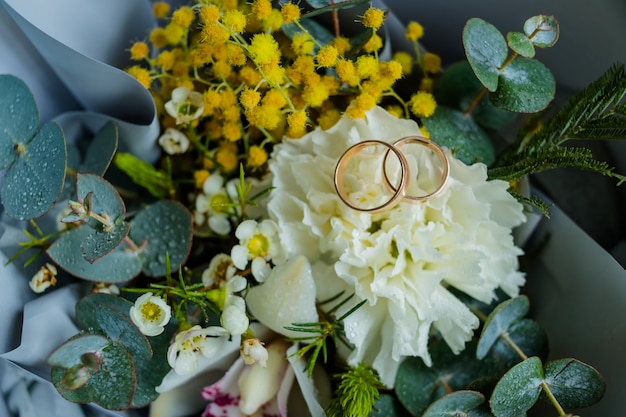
<point x="239" y="255"/>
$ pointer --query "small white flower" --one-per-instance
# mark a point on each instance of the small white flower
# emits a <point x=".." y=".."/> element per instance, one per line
<point x="105" y="288"/>
<point x="184" y="353"/>
<point x="150" y="314"/>
<point x="44" y="278"/>
<point x="220" y="270"/>
<point x="185" y="105"/>
<point x="174" y="141"/>
<point x="211" y="202"/>
<point x="253" y="352"/>
<point x="258" y="242"/>
<point x="234" y="318"/>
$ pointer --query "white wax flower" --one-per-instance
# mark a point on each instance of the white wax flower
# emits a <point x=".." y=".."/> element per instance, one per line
<point x="259" y="243"/>
<point x="184" y="353"/>
<point x="234" y="318"/>
<point x="44" y="278"/>
<point x="174" y="141"/>
<point x="402" y="261"/>
<point x="253" y="352"/>
<point x="209" y="204"/>
<point x="150" y="314"/>
<point x="185" y="105"/>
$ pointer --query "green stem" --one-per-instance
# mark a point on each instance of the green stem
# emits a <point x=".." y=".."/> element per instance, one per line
<point x="505" y="336"/>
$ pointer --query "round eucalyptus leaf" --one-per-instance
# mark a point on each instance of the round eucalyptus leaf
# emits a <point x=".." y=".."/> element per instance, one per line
<point x="113" y="386"/>
<point x="458" y="87"/>
<point x="35" y="179"/>
<point x="69" y="354"/>
<point x="416" y="385"/>
<point x="499" y="321"/>
<point x="19" y="117"/>
<point x="460" y="133"/>
<point x="486" y="51"/>
<point x="518" y="390"/>
<point x="166" y="229"/>
<point x="574" y="383"/>
<point x="100" y="242"/>
<point x="520" y="43"/>
<point x="97" y="313"/>
<point x="386" y="406"/>
<point x="105" y="201"/>
<point x="542" y="30"/>
<point x="118" y="266"/>
<point x="455" y="404"/>
<point x="150" y="372"/>
<point x="101" y="150"/>
<point x="79" y="394"/>
<point x="526" y="86"/>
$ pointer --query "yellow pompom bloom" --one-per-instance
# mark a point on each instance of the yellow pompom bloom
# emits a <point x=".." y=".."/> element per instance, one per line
<point x="274" y="98"/>
<point x="249" y="98"/>
<point x="166" y="60"/>
<point x="414" y="31"/>
<point x="296" y="123"/>
<point x="360" y="105"/>
<point x="160" y="9"/>
<point x="342" y="44"/>
<point x="395" y="110"/>
<point x="373" y="18"/>
<point x="257" y="156"/>
<point x="406" y="61"/>
<point x="139" y="51"/>
<point x="141" y="74"/>
<point x="302" y="43"/>
<point x="315" y="92"/>
<point x="346" y="71"/>
<point x="211" y="99"/>
<point x="200" y="176"/>
<point x="249" y="75"/>
<point x="231" y="131"/>
<point x="235" y="20"/>
<point x="290" y="12"/>
<point x="327" y="56"/>
<point x="226" y="156"/>
<point x="301" y="69"/>
<point x="431" y="63"/>
<point x="264" y="116"/>
<point x="262" y="8"/>
<point x="209" y="14"/>
<point x="264" y="48"/>
<point x="328" y="119"/>
<point x="273" y="22"/>
<point x="158" y="37"/>
<point x="373" y="44"/>
<point x="174" y="33"/>
<point x="183" y="16"/>
<point x="426" y="84"/>
<point x="180" y="69"/>
<point x="391" y="70"/>
<point x="422" y="104"/>
<point x="366" y="66"/>
<point x="214" y="34"/>
<point x="235" y="55"/>
<point x="274" y="73"/>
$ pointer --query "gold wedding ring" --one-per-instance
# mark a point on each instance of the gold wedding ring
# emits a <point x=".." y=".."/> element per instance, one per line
<point x="399" y="190"/>
<point x="340" y="172"/>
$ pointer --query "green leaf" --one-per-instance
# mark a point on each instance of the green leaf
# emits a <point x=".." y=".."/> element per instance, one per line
<point x="108" y="314"/>
<point x="59" y="377"/>
<point x="35" y="179"/>
<point x="19" y="117"/>
<point x="100" y="243"/>
<point x="525" y="86"/>
<point x="69" y="354"/>
<point x="386" y="406"/>
<point x="499" y="321"/>
<point x="118" y="266"/>
<point x="542" y="30"/>
<point x="416" y="385"/>
<point x="150" y="372"/>
<point x="113" y="386"/>
<point x="101" y="150"/>
<point x="458" y="87"/>
<point x="520" y="43"/>
<point x="573" y="383"/>
<point x="320" y="33"/>
<point x="166" y="227"/>
<point x="518" y="390"/>
<point x="458" y="403"/>
<point x="460" y="133"/>
<point x="158" y="183"/>
<point x="325" y="6"/>
<point x="528" y="336"/>
<point x="486" y="51"/>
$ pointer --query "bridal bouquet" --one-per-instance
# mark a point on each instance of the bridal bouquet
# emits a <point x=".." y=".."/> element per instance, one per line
<point x="327" y="227"/>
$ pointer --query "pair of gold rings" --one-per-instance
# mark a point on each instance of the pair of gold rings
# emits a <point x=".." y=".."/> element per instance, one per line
<point x="398" y="191"/>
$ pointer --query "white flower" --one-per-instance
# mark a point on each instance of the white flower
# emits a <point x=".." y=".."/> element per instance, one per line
<point x="220" y="270"/>
<point x="150" y="314"/>
<point x="174" y="141"/>
<point x="259" y="243"/>
<point x="234" y="318"/>
<point x="105" y="288"/>
<point x="402" y="261"/>
<point x="184" y="353"/>
<point x="252" y="351"/>
<point x="185" y="105"/>
<point x="210" y="202"/>
<point x="44" y="278"/>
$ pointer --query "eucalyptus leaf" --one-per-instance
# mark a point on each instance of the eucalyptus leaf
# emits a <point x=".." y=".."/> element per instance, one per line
<point x="19" y="117"/>
<point x="325" y="6"/>
<point x="386" y="406"/>
<point x="486" y="51"/>
<point x="460" y="133"/>
<point x="81" y="394"/>
<point x="520" y="43"/>
<point x="118" y="266"/>
<point x="69" y="353"/>
<point x="99" y="313"/>
<point x="542" y="30"/>
<point x="525" y="86"/>
<point x="113" y="386"/>
<point x="499" y="321"/>
<point x="100" y="242"/>
<point x="518" y="390"/>
<point x="574" y="384"/>
<point x="416" y="385"/>
<point x="166" y="228"/>
<point x="106" y="200"/>
<point x="101" y="150"/>
<point x="320" y="33"/>
<point x="528" y="336"/>
<point x="150" y="372"/>
<point x="455" y="404"/>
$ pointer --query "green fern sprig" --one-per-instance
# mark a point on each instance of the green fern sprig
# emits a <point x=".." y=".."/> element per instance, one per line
<point x="356" y="393"/>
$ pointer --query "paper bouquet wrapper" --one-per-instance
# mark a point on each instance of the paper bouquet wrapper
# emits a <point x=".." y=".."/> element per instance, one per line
<point x="577" y="290"/>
